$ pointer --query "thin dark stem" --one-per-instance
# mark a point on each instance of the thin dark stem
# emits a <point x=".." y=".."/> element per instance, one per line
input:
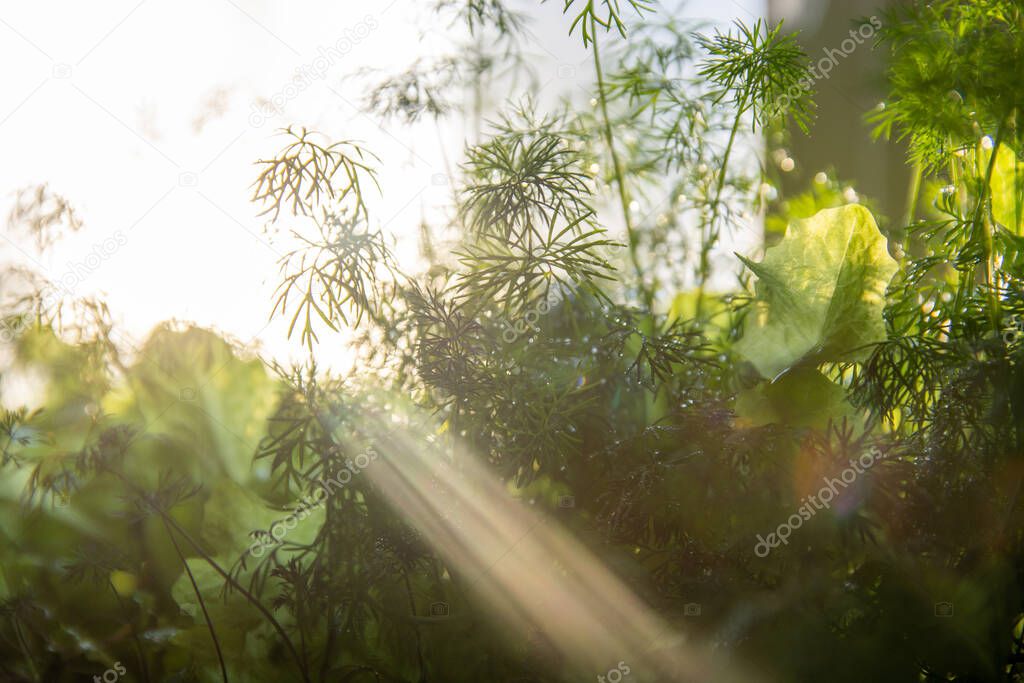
<point x="220" y="570"/>
<point x="202" y="603"/>
<point x="332" y="624"/>
<point x="415" y="628"/>
<point x="135" y="635"/>
<point x="241" y="589"/>
<point x="328" y="470"/>
<point x="300" y="619"/>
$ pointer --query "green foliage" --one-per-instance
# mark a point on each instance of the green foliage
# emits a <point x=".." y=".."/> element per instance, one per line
<point x="954" y="70"/>
<point x="302" y="176"/>
<point x="338" y="270"/>
<point x="523" y="181"/>
<point x="755" y="68"/>
<point x="820" y="292"/>
<point x="1008" y="191"/>
<point x="802" y="397"/>
<point x="163" y="506"/>
<point x="527" y="210"/>
<point x="591" y="15"/>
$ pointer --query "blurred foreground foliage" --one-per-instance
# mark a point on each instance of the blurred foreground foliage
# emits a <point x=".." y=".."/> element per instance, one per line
<point x="564" y="330"/>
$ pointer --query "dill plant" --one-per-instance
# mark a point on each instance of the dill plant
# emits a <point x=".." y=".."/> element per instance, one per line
<point x="639" y="392"/>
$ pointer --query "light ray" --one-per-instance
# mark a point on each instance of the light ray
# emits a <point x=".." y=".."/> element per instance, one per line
<point x="528" y="572"/>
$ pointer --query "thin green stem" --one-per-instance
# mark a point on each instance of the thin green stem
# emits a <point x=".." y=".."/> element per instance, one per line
<point x="980" y="214"/>
<point x="725" y="159"/>
<point x="913" y="193"/>
<point x="709" y="235"/>
<point x="633" y="237"/>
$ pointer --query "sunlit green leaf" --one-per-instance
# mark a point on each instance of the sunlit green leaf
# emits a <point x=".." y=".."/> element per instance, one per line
<point x="820" y="292"/>
<point x="802" y="397"/>
<point x="1008" y="190"/>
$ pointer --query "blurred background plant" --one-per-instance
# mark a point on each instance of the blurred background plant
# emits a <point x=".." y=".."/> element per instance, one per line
<point x="680" y="407"/>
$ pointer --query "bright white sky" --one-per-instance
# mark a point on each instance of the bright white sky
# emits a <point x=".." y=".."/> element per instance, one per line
<point x="139" y="113"/>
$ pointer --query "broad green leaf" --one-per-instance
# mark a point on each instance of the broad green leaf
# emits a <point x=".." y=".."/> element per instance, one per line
<point x="207" y="405"/>
<point x="820" y="292"/>
<point x="802" y="397"/>
<point x="246" y="639"/>
<point x="1008" y="190"/>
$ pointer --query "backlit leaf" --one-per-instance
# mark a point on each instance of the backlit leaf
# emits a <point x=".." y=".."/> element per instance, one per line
<point x="820" y="292"/>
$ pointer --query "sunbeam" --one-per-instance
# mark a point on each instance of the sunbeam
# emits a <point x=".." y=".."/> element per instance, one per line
<point x="528" y="572"/>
